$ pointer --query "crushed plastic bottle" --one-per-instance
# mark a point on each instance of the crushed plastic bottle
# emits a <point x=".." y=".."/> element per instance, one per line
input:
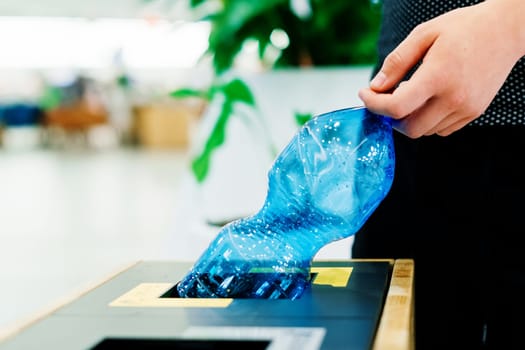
<point x="321" y="188"/>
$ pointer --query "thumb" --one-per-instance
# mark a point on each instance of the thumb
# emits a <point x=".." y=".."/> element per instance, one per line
<point x="405" y="56"/>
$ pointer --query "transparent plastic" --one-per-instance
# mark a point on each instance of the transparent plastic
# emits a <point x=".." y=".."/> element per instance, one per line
<point x="322" y="187"/>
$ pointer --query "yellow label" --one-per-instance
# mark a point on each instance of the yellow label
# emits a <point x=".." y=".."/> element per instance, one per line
<point x="149" y="295"/>
<point x="333" y="276"/>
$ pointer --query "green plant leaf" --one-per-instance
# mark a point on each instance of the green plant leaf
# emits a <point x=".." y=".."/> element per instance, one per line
<point x="195" y="3"/>
<point x="186" y="92"/>
<point x="302" y="118"/>
<point x="237" y="91"/>
<point x="236" y="13"/>
<point x="229" y="28"/>
<point x="201" y="164"/>
<point x="234" y="91"/>
<point x="338" y="32"/>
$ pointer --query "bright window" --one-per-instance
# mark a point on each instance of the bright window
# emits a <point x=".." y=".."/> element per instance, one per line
<point x="50" y="42"/>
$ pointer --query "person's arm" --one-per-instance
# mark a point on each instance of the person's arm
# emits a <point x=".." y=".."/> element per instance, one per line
<point x="466" y="56"/>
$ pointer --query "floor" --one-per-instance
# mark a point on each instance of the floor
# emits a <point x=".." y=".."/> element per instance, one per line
<point x="70" y="219"/>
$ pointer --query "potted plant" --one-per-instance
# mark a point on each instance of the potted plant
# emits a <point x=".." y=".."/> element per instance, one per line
<point x="298" y="34"/>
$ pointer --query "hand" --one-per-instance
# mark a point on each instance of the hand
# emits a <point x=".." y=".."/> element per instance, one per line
<point x="465" y="56"/>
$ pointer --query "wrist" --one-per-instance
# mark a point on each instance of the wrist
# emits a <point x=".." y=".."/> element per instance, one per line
<point x="512" y="18"/>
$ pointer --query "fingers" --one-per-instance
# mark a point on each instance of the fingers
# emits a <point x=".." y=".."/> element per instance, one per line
<point x="409" y="96"/>
<point x="425" y="119"/>
<point x="451" y="124"/>
<point x="405" y="56"/>
<point x="415" y="112"/>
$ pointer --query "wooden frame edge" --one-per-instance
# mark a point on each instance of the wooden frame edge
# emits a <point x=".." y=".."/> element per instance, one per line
<point x="396" y="326"/>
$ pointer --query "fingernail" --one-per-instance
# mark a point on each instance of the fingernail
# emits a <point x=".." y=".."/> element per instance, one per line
<point x="378" y="80"/>
<point x="361" y="93"/>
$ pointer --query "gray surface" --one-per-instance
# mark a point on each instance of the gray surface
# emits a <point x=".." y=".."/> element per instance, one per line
<point x="349" y="315"/>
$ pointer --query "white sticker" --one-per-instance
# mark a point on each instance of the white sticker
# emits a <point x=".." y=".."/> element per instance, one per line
<point x="280" y="338"/>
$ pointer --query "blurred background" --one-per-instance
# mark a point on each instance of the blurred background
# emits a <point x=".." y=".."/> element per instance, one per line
<point x="134" y="129"/>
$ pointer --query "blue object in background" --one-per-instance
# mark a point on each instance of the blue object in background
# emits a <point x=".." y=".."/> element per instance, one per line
<point x="322" y="187"/>
<point x="20" y="114"/>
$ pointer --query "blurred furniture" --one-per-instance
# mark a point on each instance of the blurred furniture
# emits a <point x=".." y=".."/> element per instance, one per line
<point x="21" y="126"/>
<point x="70" y="124"/>
<point x="166" y="124"/>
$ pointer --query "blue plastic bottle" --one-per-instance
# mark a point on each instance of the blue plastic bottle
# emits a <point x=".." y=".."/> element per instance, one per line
<point x="322" y="187"/>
